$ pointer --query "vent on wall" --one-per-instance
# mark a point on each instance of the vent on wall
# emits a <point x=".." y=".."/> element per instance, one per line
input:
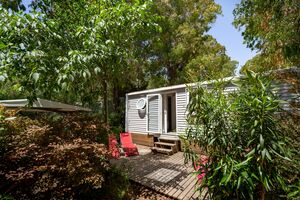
<point x="141" y="103"/>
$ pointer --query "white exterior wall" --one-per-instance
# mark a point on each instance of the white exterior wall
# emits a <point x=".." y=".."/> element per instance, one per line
<point x="153" y="115"/>
<point x="285" y="92"/>
<point x="181" y="105"/>
<point x="136" y="121"/>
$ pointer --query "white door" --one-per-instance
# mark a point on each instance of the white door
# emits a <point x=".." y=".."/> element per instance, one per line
<point x="154" y="113"/>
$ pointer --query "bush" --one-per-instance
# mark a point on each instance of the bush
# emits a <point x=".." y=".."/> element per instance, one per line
<point x="54" y="156"/>
<point x="243" y="135"/>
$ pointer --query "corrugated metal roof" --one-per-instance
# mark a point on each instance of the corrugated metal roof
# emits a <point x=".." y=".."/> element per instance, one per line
<point x="42" y="105"/>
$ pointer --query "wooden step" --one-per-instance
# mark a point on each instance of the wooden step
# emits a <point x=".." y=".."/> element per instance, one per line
<point x="165" y="144"/>
<point x="162" y="150"/>
<point x="174" y="144"/>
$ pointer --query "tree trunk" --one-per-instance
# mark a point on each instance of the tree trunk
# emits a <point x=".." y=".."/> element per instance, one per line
<point x="105" y="101"/>
<point x="172" y="73"/>
<point x="262" y="192"/>
<point x="116" y="97"/>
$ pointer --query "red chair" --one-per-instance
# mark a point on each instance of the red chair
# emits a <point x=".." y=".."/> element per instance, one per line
<point x="113" y="147"/>
<point x="129" y="148"/>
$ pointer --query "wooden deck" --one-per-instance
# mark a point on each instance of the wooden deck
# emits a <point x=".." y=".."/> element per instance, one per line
<point x="165" y="174"/>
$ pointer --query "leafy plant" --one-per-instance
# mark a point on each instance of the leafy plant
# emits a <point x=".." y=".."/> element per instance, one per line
<point x="55" y="156"/>
<point x="183" y="51"/>
<point x="271" y="27"/>
<point x="78" y="50"/>
<point x="242" y="135"/>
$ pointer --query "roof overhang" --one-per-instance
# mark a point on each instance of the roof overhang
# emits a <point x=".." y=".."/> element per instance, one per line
<point x="176" y="87"/>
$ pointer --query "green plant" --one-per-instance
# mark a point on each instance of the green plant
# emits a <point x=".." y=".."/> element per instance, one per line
<point x="117" y="184"/>
<point x="62" y="156"/>
<point x="243" y="137"/>
<point x="5" y="197"/>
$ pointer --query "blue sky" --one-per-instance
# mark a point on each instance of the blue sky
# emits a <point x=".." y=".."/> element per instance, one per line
<point x="225" y="33"/>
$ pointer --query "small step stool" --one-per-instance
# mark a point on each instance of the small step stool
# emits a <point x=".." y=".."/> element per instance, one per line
<point x="165" y="146"/>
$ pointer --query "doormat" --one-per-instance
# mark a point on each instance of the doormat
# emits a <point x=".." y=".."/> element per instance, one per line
<point x="163" y="175"/>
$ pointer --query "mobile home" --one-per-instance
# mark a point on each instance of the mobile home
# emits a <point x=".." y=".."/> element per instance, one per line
<point x="160" y="113"/>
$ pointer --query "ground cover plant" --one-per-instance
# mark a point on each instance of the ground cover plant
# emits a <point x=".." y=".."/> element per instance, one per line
<point x="246" y="140"/>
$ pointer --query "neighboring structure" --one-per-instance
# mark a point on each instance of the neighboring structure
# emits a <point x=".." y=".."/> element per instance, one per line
<point x="161" y="113"/>
<point x="41" y="105"/>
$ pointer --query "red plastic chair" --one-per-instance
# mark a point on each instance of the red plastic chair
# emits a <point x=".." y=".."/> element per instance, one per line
<point x="113" y="147"/>
<point x="129" y="148"/>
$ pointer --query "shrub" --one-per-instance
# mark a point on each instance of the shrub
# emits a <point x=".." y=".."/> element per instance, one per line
<point x="54" y="156"/>
<point x="244" y="138"/>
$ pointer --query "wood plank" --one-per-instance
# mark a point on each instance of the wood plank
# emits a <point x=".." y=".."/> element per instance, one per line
<point x="142" y="139"/>
<point x="165" y="144"/>
<point x="197" y="196"/>
<point x="172" y="190"/>
<point x="165" y="164"/>
<point x="170" y="159"/>
<point x="162" y="150"/>
<point x="146" y="181"/>
<point x="189" y="190"/>
<point x="183" y="186"/>
<point x="155" y="170"/>
<point x="141" y="167"/>
<point x="176" y="165"/>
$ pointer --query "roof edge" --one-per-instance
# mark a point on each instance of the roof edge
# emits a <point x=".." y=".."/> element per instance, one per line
<point x="174" y="87"/>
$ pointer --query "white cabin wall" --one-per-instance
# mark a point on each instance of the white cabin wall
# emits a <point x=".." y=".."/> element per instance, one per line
<point x="173" y="107"/>
<point x="181" y="104"/>
<point x="137" y="124"/>
<point x="154" y="117"/>
<point x="136" y="120"/>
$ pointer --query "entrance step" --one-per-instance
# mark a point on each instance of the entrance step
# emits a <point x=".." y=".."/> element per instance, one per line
<point x="162" y="150"/>
<point x="165" y="146"/>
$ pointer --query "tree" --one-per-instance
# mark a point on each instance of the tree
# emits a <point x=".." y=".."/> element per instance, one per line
<point x="183" y="42"/>
<point x="262" y="62"/>
<point x="79" y="48"/>
<point x="15" y="5"/>
<point x="212" y="63"/>
<point x="272" y="27"/>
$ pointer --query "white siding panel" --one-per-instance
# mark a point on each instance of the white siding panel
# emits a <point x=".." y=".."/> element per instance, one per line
<point x="181" y="104"/>
<point x="286" y="93"/>
<point x="153" y="113"/>
<point x="137" y="120"/>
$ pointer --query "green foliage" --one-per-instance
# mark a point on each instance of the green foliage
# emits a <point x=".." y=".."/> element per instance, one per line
<point x="75" y="51"/>
<point x="271" y="27"/>
<point x="116" y="186"/>
<point x="15" y="5"/>
<point x="263" y="62"/>
<point x="243" y="137"/>
<point x="213" y="63"/>
<point x="6" y="197"/>
<point x="182" y="52"/>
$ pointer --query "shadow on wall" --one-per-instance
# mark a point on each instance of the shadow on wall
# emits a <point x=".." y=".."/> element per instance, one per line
<point x="142" y="113"/>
